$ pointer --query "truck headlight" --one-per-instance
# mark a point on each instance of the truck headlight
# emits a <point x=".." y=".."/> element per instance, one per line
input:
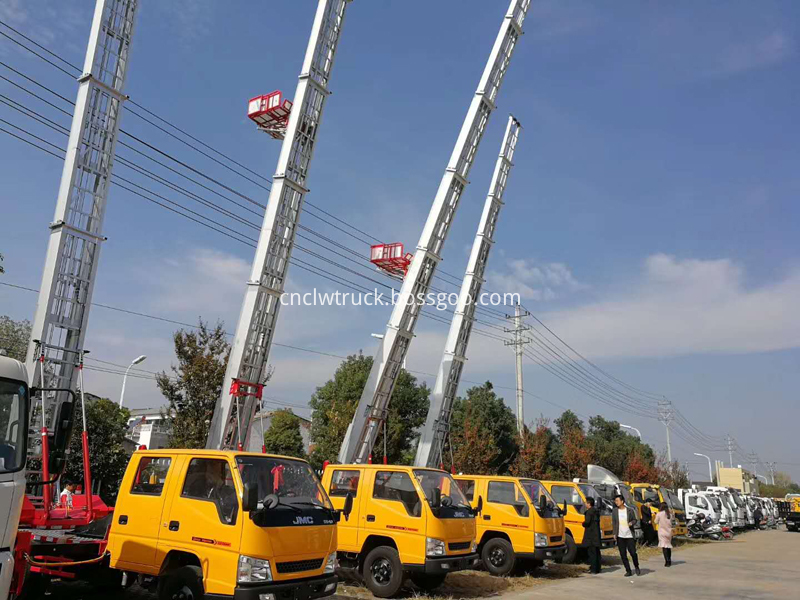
<point x="330" y="566"/>
<point x="254" y="570"/>
<point x="474" y="546"/>
<point x="434" y="547"/>
<point x="540" y="540"/>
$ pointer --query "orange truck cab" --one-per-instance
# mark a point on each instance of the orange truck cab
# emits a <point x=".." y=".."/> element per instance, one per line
<point x="406" y="522"/>
<point x="220" y="524"/>
<point x="519" y="521"/>
<point x="574" y="496"/>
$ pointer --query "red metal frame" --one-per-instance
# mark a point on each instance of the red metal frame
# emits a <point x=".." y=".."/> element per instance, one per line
<point x="271" y="113"/>
<point x="241" y="388"/>
<point x="390" y="258"/>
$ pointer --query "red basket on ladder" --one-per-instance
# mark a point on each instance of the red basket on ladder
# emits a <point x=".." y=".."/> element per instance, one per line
<point x="271" y="113"/>
<point x="390" y="258"/>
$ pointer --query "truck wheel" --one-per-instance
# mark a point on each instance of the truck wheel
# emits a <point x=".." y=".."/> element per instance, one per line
<point x="428" y="581"/>
<point x="184" y="583"/>
<point x="572" y="551"/>
<point x="498" y="556"/>
<point x="382" y="571"/>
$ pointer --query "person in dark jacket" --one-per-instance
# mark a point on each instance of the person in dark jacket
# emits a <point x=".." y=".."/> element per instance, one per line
<point x="625" y="521"/>
<point x="648" y="532"/>
<point x="591" y="538"/>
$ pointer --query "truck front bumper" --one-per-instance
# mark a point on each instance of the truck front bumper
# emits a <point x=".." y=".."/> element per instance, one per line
<point x="445" y="564"/>
<point x="548" y="553"/>
<point x="297" y="589"/>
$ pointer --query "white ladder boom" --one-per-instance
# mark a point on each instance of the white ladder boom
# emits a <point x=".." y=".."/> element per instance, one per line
<point x="437" y="425"/>
<point x="372" y="407"/>
<point x="76" y="236"/>
<point x="256" y="328"/>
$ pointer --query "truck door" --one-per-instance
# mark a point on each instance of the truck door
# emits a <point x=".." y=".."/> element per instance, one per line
<point x="137" y="518"/>
<point x="343" y="482"/>
<point x="204" y="518"/>
<point x="507" y="508"/>
<point x="575" y="509"/>
<point x="395" y="509"/>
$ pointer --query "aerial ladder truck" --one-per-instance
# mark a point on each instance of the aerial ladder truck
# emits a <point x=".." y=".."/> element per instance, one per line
<point x="267" y="555"/>
<point x="373" y="404"/>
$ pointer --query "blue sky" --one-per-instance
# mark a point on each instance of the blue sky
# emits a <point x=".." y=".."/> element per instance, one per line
<point x="651" y="218"/>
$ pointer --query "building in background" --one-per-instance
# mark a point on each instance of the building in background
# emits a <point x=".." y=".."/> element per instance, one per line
<point x="737" y="478"/>
<point x="256" y="439"/>
<point x="147" y="427"/>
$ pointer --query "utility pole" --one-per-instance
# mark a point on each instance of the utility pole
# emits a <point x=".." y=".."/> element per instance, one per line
<point x="518" y="342"/>
<point x="665" y="415"/>
<point x="771" y="466"/>
<point x="754" y="461"/>
<point x="729" y="441"/>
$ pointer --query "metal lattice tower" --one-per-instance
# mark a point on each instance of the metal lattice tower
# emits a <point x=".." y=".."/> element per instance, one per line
<point x="256" y="328"/>
<point x="666" y="414"/>
<point x="73" y="252"/>
<point x="437" y="426"/>
<point x="518" y="343"/>
<point x="361" y="434"/>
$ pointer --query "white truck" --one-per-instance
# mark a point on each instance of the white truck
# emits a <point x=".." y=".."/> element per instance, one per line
<point x="702" y="504"/>
<point x="736" y="502"/>
<point x="14" y="411"/>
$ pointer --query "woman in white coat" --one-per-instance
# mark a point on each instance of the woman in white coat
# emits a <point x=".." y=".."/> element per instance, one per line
<point x="663" y="521"/>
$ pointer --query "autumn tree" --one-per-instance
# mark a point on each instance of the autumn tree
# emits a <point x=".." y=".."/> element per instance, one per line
<point x="483" y="420"/>
<point x="284" y="436"/>
<point x="334" y="405"/>
<point x="534" y="452"/>
<point x="107" y="424"/>
<point x="14" y="336"/>
<point x="195" y="385"/>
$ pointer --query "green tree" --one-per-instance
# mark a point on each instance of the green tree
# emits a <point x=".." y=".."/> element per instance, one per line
<point x="107" y="425"/>
<point x="195" y="385"/>
<point x="14" y="336"/>
<point x="283" y="436"/>
<point x="533" y="459"/>
<point x="334" y="405"/>
<point x="614" y="448"/>
<point x="483" y="415"/>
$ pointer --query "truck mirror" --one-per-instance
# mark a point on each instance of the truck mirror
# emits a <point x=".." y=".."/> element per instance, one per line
<point x="564" y="510"/>
<point x="271" y="501"/>
<point x="250" y="497"/>
<point x="437" y="498"/>
<point x="348" y="506"/>
<point x="542" y="503"/>
<point x="479" y="507"/>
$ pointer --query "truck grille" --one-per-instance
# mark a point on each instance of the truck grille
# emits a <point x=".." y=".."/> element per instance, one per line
<point x="455" y="546"/>
<point x="608" y="533"/>
<point x="556" y="538"/>
<point x="299" y="565"/>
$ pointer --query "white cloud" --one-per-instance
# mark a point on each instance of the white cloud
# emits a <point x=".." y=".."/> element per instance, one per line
<point x="760" y="53"/>
<point x="533" y="280"/>
<point x="686" y="307"/>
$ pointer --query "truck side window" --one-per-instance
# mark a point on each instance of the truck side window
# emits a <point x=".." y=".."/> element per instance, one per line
<point x="397" y="486"/>
<point x="467" y="488"/>
<point x="344" y="482"/>
<point x="505" y="492"/>
<point x="210" y="479"/>
<point x="151" y="475"/>
<point x="561" y="493"/>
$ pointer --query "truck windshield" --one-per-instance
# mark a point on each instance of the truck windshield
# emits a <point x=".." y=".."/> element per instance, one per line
<point x="432" y="480"/>
<point x="715" y="503"/>
<point x="736" y="499"/>
<point x="536" y="491"/>
<point x="603" y="505"/>
<point x="292" y="481"/>
<point x="13" y="414"/>
<point x="673" y="500"/>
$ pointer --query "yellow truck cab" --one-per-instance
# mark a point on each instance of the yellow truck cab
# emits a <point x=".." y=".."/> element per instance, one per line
<point x="519" y="520"/>
<point x="574" y="495"/>
<point x="405" y="522"/>
<point x="220" y="524"/>
<point x="655" y="495"/>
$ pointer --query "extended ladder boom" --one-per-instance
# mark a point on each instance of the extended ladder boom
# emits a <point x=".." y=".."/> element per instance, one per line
<point x="437" y="425"/>
<point x="256" y="328"/>
<point x="372" y="407"/>
<point x="76" y="236"/>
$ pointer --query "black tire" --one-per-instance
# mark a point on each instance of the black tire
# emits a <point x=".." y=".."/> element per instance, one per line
<point x="183" y="583"/>
<point x="498" y="556"/>
<point x="383" y="571"/>
<point x="428" y="581"/>
<point x="572" y="551"/>
<point x="34" y="587"/>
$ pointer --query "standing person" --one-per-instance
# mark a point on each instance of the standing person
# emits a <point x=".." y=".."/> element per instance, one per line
<point x="648" y="533"/>
<point x="758" y="516"/>
<point x="65" y="499"/>
<point x="625" y="521"/>
<point x="591" y="539"/>
<point x="664" y="522"/>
